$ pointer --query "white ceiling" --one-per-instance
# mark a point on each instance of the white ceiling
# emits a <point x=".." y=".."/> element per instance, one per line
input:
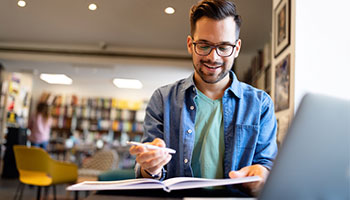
<point x="136" y="24"/>
<point x="137" y="27"/>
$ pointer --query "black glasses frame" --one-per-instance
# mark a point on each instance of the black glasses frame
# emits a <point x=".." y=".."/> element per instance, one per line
<point x="214" y="47"/>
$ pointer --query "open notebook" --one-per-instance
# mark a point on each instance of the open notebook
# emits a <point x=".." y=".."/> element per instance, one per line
<point x="177" y="183"/>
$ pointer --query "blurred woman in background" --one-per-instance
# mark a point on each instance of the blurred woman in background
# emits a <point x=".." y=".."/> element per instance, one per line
<point x="40" y="126"/>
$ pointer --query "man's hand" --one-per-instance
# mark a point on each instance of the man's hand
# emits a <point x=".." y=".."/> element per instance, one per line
<point x="151" y="160"/>
<point x="254" y="170"/>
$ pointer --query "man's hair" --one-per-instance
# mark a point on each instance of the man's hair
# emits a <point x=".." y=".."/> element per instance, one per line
<point x="214" y="9"/>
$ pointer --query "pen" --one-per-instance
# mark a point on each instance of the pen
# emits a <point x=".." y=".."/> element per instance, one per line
<point x="149" y="146"/>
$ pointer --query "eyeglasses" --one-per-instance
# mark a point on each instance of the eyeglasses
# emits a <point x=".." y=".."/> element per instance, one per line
<point x="204" y="49"/>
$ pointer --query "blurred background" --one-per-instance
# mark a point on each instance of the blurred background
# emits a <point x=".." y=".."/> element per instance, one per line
<point x="97" y="62"/>
<point x="95" y="42"/>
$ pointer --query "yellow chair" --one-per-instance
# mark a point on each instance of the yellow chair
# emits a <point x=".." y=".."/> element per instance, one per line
<point x="36" y="167"/>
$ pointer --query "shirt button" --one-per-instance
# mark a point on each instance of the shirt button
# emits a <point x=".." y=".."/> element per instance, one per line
<point x="192" y="107"/>
<point x="185" y="161"/>
<point x="189" y="131"/>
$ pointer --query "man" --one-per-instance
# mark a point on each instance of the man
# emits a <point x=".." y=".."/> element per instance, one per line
<point x="219" y="126"/>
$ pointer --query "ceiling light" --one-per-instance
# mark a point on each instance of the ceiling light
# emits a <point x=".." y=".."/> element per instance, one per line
<point x="92" y="6"/>
<point x="21" y="3"/>
<point x="169" y="10"/>
<point x="61" y="79"/>
<point x="127" y="83"/>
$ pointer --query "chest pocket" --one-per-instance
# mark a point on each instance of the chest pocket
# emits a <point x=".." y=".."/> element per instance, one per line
<point x="246" y="136"/>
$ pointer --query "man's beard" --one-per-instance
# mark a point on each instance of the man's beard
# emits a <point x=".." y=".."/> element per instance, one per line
<point x="220" y="76"/>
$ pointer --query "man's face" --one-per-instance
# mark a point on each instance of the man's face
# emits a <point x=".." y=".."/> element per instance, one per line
<point x="213" y="68"/>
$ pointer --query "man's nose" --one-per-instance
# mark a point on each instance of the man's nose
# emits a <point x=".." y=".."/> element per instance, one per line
<point x="213" y="55"/>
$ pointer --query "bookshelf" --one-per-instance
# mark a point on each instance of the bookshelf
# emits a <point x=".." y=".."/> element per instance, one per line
<point x="94" y="122"/>
<point x="94" y="116"/>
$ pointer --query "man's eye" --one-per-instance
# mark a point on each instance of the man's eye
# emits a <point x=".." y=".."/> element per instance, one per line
<point x="203" y="47"/>
<point x="224" y="47"/>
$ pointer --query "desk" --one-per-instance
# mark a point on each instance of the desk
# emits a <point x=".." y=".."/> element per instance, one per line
<point x="108" y="197"/>
<point x="158" y="194"/>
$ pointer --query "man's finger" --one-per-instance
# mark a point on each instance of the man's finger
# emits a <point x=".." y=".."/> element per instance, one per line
<point x="158" y="142"/>
<point x="149" y="155"/>
<point x="236" y="174"/>
<point x="239" y="174"/>
<point x="134" y="150"/>
<point x="167" y="160"/>
<point x="155" y="162"/>
<point x="161" y="164"/>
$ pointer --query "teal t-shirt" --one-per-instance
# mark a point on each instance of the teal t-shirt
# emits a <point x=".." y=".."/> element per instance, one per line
<point x="208" y="152"/>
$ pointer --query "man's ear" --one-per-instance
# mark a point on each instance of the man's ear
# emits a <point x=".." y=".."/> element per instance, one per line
<point x="189" y="44"/>
<point x="237" y="48"/>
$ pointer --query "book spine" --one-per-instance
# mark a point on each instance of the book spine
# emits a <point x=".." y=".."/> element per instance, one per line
<point x="165" y="187"/>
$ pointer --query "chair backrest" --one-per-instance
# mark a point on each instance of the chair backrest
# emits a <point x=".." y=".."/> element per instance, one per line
<point x="31" y="158"/>
<point x="37" y="162"/>
<point x="102" y="160"/>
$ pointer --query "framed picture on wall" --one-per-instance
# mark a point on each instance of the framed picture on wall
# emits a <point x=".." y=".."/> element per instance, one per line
<point x="282" y="128"/>
<point x="282" y="26"/>
<point x="282" y="84"/>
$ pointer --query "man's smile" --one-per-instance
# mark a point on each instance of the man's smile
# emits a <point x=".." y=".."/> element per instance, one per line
<point x="212" y="66"/>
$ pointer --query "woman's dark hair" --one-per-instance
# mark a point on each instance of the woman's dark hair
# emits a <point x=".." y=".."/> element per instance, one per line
<point x="43" y="109"/>
<point x="214" y="9"/>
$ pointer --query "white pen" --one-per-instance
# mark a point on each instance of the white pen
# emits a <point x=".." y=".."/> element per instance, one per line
<point x="150" y="146"/>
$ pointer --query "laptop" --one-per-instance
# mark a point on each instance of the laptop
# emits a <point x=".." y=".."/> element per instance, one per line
<point x="314" y="161"/>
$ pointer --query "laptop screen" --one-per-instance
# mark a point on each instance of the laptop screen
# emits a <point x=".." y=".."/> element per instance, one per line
<point x="314" y="161"/>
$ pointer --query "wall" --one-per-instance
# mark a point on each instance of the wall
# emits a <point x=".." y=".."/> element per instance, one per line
<point x="243" y="64"/>
<point x="322" y="48"/>
<point x="285" y="115"/>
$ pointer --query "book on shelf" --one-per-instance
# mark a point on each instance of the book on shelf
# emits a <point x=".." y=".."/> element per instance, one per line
<point x="167" y="185"/>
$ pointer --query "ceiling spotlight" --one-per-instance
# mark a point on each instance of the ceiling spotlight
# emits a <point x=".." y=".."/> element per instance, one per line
<point x="169" y="10"/>
<point x="92" y="6"/>
<point x="21" y="3"/>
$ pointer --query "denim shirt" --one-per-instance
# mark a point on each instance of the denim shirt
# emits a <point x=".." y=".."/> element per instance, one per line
<point x="249" y="125"/>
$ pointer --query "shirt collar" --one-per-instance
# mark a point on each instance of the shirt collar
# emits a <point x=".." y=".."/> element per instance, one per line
<point x="189" y="83"/>
<point x="235" y="86"/>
